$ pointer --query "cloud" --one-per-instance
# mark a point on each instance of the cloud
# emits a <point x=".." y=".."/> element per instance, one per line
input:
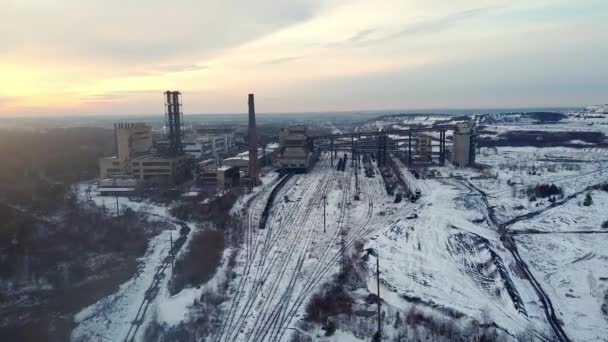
<point x="116" y="32"/>
<point x="112" y="96"/>
<point x="355" y="39"/>
<point x="430" y="26"/>
<point x="280" y="60"/>
<point x="182" y="68"/>
<point x="361" y="35"/>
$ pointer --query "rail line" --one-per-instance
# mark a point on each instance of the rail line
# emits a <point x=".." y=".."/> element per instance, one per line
<point x="268" y="320"/>
<point x="252" y="247"/>
<point x="279" y="312"/>
<point x="325" y="266"/>
<point x="250" y="251"/>
<point x="268" y="259"/>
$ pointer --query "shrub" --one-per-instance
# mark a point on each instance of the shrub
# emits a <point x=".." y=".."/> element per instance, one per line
<point x="329" y="302"/>
<point x="588" y="200"/>
<point x="199" y="262"/>
<point x="330" y="328"/>
<point x="544" y="190"/>
<point x="605" y="224"/>
<point x="398" y="198"/>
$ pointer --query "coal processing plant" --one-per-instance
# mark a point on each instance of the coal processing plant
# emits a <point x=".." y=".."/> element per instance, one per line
<point x="141" y="159"/>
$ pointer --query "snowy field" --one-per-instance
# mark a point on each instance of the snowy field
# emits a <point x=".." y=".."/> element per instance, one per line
<point x="449" y="260"/>
<point x="573" y="216"/>
<point x="514" y="169"/>
<point x="573" y="269"/>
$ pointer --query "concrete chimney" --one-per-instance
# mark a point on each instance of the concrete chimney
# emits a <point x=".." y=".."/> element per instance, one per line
<point x="254" y="168"/>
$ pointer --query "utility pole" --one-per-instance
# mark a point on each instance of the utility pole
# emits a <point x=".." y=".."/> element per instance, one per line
<point x="171" y="250"/>
<point x="331" y="151"/>
<point x="117" y="210"/>
<point x="352" y="150"/>
<point x="409" y="149"/>
<point x="324" y="198"/>
<point x="378" y="156"/>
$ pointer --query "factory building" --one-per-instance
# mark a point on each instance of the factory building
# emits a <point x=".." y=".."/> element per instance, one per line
<point x="296" y="151"/>
<point x="160" y="170"/>
<point x="463" y="153"/>
<point x="210" y="142"/>
<point x="135" y="159"/>
<point x="132" y="140"/>
<point x="224" y="176"/>
<point x="424" y="148"/>
<point x="139" y="158"/>
<point x="241" y="160"/>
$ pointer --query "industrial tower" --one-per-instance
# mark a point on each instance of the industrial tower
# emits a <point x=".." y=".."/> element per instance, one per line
<point x="254" y="168"/>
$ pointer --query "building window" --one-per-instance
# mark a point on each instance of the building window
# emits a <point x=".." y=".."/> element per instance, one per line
<point x="115" y="163"/>
<point x="157" y="170"/>
<point x="156" y="163"/>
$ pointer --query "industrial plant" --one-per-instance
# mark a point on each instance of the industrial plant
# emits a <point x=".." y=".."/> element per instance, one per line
<point x="209" y="158"/>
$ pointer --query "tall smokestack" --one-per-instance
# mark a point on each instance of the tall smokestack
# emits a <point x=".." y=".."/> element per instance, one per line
<point x="254" y="171"/>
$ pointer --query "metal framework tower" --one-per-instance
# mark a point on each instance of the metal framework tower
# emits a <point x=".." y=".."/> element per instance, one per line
<point x="174" y="122"/>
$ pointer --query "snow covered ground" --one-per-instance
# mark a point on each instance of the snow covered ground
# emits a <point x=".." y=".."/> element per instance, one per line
<point x="573" y="216"/>
<point x="443" y="254"/>
<point x="451" y="261"/>
<point x="573" y="270"/>
<point x="111" y="317"/>
<point x="514" y="169"/>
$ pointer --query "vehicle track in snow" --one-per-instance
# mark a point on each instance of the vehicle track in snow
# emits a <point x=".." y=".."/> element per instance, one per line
<point x="555" y="180"/>
<point x="510" y="245"/>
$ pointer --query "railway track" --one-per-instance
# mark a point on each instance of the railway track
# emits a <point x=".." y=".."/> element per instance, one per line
<point x="279" y="287"/>
<point x="250" y="251"/>
<point x="253" y="246"/>
<point x="267" y="319"/>
<point x="327" y="261"/>
<point x="278" y="315"/>
<point x="273" y="245"/>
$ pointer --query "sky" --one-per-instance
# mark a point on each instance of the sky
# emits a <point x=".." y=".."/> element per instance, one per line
<point x="75" y="57"/>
